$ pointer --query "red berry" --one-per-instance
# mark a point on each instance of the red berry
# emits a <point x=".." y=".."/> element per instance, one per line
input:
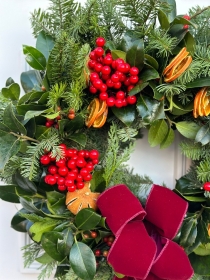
<point x="106" y="70"/>
<point x="186" y="26"/>
<point x="60" y="181"/>
<point x="108" y="60"/>
<point x="109" y="83"/>
<point x="45" y="159"/>
<point x="46" y="178"/>
<point x="120" y="94"/>
<point x="127" y="82"/>
<point x="117" y="85"/>
<point x="92" y="55"/>
<point x="61" y="163"/>
<point x="95" y="161"/>
<point x="131" y="99"/>
<point x="79" y="178"/>
<point x="56" y="176"/>
<point x="81" y="162"/>
<point x="100" y="42"/>
<point x="121" y="67"/>
<point x="98" y="67"/>
<point x="69" y="153"/>
<point x="71" y="175"/>
<point x="80" y="185"/>
<point x="69" y="182"/>
<point x="109" y="243"/>
<point x="105" y="77"/>
<point x="97" y="83"/>
<point x="110" y="101"/>
<point x="63" y="171"/>
<point x="91" y="64"/>
<point x="75" y="171"/>
<point x="103" y="88"/>
<point x="123" y="78"/>
<point x="206" y="186"/>
<point x="94" y="154"/>
<point x="134" y="79"/>
<point x="119" y="61"/>
<point x="83" y="172"/>
<point x="52" y="169"/>
<point x="127" y="68"/>
<point x="114" y="64"/>
<point x="134" y="71"/>
<point x="130" y="87"/>
<point x="103" y="95"/>
<point x="63" y="146"/>
<point x="99" y="51"/>
<point x="93" y="234"/>
<point x="118" y="103"/>
<point x="51" y="180"/>
<point x="81" y="153"/>
<point x="94" y="76"/>
<point x="48" y="124"/>
<point x="71" y="188"/>
<point x="115" y="78"/>
<point x="86" y="154"/>
<point x="186" y="17"/>
<point x="71" y="164"/>
<point x="88" y="177"/>
<point x="58" y="118"/>
<point x="61" y="188"/>
<point x="105" y="239"/>
<point x="89" y="166"/>
<point x="125" y="103"/>
<point x="97" y="253"/>
<point x="105" y="253"/>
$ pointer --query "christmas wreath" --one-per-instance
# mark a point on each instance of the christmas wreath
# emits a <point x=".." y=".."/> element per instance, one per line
<point x="101" y="72"/>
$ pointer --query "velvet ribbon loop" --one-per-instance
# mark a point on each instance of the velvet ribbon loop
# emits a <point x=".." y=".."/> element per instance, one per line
<point x="142" y="248"/>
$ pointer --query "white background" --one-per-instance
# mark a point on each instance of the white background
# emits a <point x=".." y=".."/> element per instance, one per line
<point x="162" y="166"/>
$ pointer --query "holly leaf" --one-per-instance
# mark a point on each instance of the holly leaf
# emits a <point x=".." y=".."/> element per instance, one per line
<point x="56" y="202"/>
<point x="203" y="232"/>
<point x="19" y="223"/>
<point x="157" y="132"/>
<point x="79" y="138"/>
<point x="12" y="92"/>
<point x="44" y="44"/>
<point x="82" y="261"/>
<point x="200" y="82"/>
<point x="31" y="80"/>
<point x="149" y="60"/>
<point x="98" y="184"/>
<point x="24" y="183"/>
<point x="87" y="219"/>
<point x="118" y="54"/>
<point x="188" y="129"/>
<point x="49" y="241"/>
<point x="149" y="74"/>
<point x="135" y="54"/>
<point x="138" y="88"/>
<point x="65" y="244"/>
<point x="34" y="58"/>
<point x="203" y="135"/>
<point x="172" y="13"/>
<point x="183" y="185"/>
<point x="188" y="232"/>
<point x="8" y="193"/>
<point x="125" y="114"/>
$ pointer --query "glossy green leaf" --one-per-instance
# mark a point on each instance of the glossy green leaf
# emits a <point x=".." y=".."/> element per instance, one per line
<point x="87" y="219"/>
<point x="169" y="139"/>
<point x="151" y="61"/>
<point x="138" y="88"/>
<point x="49" y="242"/>
<point x="31" y="80"/>
<point x="9" y="81"/>
<point x="41" y="131"/>
<point x="44" y="98"/>
<point x="56" y="202"/>
<point x="135" y="54"/>
<point x="149" y="74"/>
<point x="19" y="223"/>
<point x="178" y="109"/>
<point x="44" y="44"/>
<point x="203" y="232"/>
<point x="200" y="82"/>
<point x="188" y="232"/>
<point x="28" y="204"/>
<point x="183" y="21"/>
<point x="194" y="198"/>
<point x="8" y="193"/>
<point x="163" y="20"/>
<point x="172" y="13"/>
<point x="178" y="31"/>
<point x="200" y="264"/>
<point x="188" y="129"/>
<point x="183" y="185"/>
<point x="110" y="45"/>
<point x="79" y="138"/>
<point x="31" y="114"/>
<point x="34" y="58"/>
<point x="52" y="116"/>
<point x="150" y="109"/>
<point x="203" y="135"/>
<point x="12" y="122"/>
<point x="189" y="42"/>
<point x="127" y="41"/>
<point x="82" y="261"/>
<point x="71" y="125"/>
<point x="23" y="109"/>
<point x="35" y="96"/>
<point x="12" y="92"/>
<point x="157" y="132"/>
<point x="118" y="54"/>
<point x="98" y="183"/>
<point x="38" y="228"/>
<point x="9" y="146"/>
<point x="24" y="183"/>
<point x="65" y="244"/>
<point x="157" y="95"/>
<point x="4" y="128"/>
<point x="125" y="114"/>
<point x="203" y="250"/>
<point x="44" y="259"/>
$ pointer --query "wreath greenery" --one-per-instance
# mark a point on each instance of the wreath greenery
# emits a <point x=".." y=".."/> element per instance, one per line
<point x="72" y="118"/>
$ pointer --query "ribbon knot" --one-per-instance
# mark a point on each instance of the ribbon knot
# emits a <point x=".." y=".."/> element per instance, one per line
<point x="142" y="248"/>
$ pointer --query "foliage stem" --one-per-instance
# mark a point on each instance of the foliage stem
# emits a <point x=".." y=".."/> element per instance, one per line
<point x="200" y="12"/>
<point x="24" y="137"/>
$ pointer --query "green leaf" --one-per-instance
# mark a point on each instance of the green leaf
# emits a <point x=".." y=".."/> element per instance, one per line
<point x="82" y="261"/>
<point x="188" y="129"/>
<point x="87" y="219"/>
<point x="79" y="138"/>
<point x="183" y="186"/>
<point x="4" y="128"/>
<point x="34" y="58"/>
<point x="172" y="13"/>
<point x="188" y="232"/>
<point x="178" y="31"/>
<point x="135" y="54"/>
<point x="65" y="244"/>
<point x="203" y="135"/>
<point x="119" y="275"/>
<point x="189" y="43"/>
<point x="178" y="109"/>
<point x="52" y="116"/>
<point x="31" y="114"/>
<point x="203" y="232"/>
<point x="118" y="54"/>
<point x="44" y="44"/>
<point x="164" y="22"/>
<point x="12" y="92"/>
<point x="150" y="109"/>
<point x="49" y="242"/>
<point x="151" y="61"/>
<point x="12" y="122"/>
<point x="157" y="132"/>
<point x="38" y="228"/>
<point x="19" y="223"/>
<point x="8" y="193"/>
<point x="56" y="202"/>
<point x="157" y="95"/>
<point x="44" y="259"/>
<point x="9" y="81"/>
<point x="138" y="88"/>
<point x="200" y="82"/>
<point x="98" y="184"/>
<point x="31" y="80"/>
<point x="149" y="74"/>
<point x="200" y="264"/>
<point x="183" y="21"/>
<point x="24" y="183"/>
<point x="168" y="139"/>
<point x="23" y="109"/>
<point x="9" y="146"/>
<point x="41" y="132"/>
<point x="73" y="125"/>
<point x="203" y="250"/>
<point x="125" y="114"/>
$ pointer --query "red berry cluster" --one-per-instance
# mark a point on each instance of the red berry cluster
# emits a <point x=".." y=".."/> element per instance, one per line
<point x="52" y="122"/>
<point x="111" y="78"/>
<point x="206" y="186"/>
<point x="186" y="26"/>
<point x="72" y="171"/>
<point x="109" y="241"/>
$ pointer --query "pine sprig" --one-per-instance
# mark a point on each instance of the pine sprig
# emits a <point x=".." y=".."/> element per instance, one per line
<point x="41" y="21"/>
<point x="127" y="134"/>
<point x="47" y="270"/>
<point x="114" y="156"/>
<point x="192" y="150"/>
<point x="191" y="73"/>
<point x="170" y="89"/>
<point x="30" y="252"/>
<point x="202" y="56"/>
<point x="56" y="93"/>
<point x="10" y="168"/>
<point x="203" y="171"/>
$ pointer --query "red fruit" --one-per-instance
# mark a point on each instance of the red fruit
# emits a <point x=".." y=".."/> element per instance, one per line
<point x="63" y="171"/>
<point x="120" y="94"/>
<point x="52" y="169"/>
<point x="94" y="76"/>
<point x="81" y="162"/>
<point x="79" y="178"/>
<point x="71" y="188"/>
<point x="89" y="166"/>
<point x="134" y="79"/>
<point x="105" y="77"/>
<point x="123" y="78"/>
<point x="91" y="64"/>
<point x="83" y="172"/>
<point x="100" y="42"/>
<point x="134" y="71"/>
<point x="99" y="51"/>
<point x="117" y="85"/>
<point x="103" y="88"/>
<point x="131" y="99"/>
<point x="61" y="188"/>
<point x="98" y="67"/>
<point x="186" y="17"/>
<point x="81" y="153"/>
<point x="121" y="67"/>
<point x="61" y="163"/>
<point x="103" y="95"/>
<point x="130" y="87"/>
<point x="127" y="82"/>
<point x="108" y="60"/>
<point x="115" y="78"/>
<point x="206" y="186"/>
<point x="69" y="153"/>
<point x="106" y="70"/>
<point x="118" y="103"/>
<point x="56" y="176"/>
<point x="93" y="234"/>
<point x="114" y="64"/>
<point x="125" y="103"/>
<point x="48" y="124"/>
<point x="88" y="177"/>
<point x="46" y="178"/>
<point x="80" y="185"/>
<point x="94" y="154"/>
<point x="97" y="83"/>
<point x="109" y="243"/>
<point x="86" y="154"/>
<point x="63" y="146"/>
<point x="95" y="161"/>
<point x="105" y="253"/>
<point x="110" y="101"/>
<point x="92" y="55"/>
<point x="60" y="181"/>
<point x="71" y="164"/>
<point x="186" y="26"/>
<point x="97" y="253"/>
<point x="45" y="159"/>
<point x="51" y="180"/>
<point x="51" y="157"/>
<point x="119" y="61"/>
<point x="109" y="83"/>
<point x="105" y="239"/>
<point x="72" y="175"/>
<point x="127" y="68"/>
<point x="75" y="170"/>
<point x="69" y="182"/>
<point x="58" y="118"/>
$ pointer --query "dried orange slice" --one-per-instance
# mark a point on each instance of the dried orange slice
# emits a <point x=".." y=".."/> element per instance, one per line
<point x="93" y="109"/>
<point x="100" y="121"/>
<point x="197" y="99"/>
<point x="102" y="108"/>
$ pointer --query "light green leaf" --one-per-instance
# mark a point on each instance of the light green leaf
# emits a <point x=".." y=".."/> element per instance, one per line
<point x="38" y="228"/>
<point x="164" y="22"/>
<point x="44" y="259"/>
<point x="34" y="58"/>
<point x="12" y="122"/>
<point x="188" y="129"/>
<point x="118" y="54"/>
<point x="168" y="139"/>
<point x="44" y="44"/>
<point x="157" y="132"/>
<point x="12" y="92"/>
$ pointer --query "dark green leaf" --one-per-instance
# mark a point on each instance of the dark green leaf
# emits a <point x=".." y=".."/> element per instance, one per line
<point x="23" y="109"/>
<point x="178" y="31"/>
<point x="43" y="99"/>
<point x="125" y="114"/>
<point x="87" y="219"/>
<point x="9" y="81"/>
<point x="151" y="61"/>
<point x="8" y="193"/>
<point x="71" y="125"/>
<point x="157" y="132"/>
<point x="188" y="232"/>
<point x="135" y="54"/>
<point x="65" y="244"/>
<point x="24" y="183"/>
<point x="149" y="74"/>
<point x="168" y="139"/>
<point x="44" y="259"/>
<point x="200" y="82"/>
<point x="83" y="261"/>
<point x="44" y="44"/>
<point x="203" y="232"/>
<point x="203" y="250"/>
<point x="41" y="131"/>
<point x="172" y="13"/>
<point x="138" y="88"/>
<point x="183" y="21"/>
<point x="183" y="185"/>
<point x="189" y="43"/>
<point x="4" y="128"/>
<point x="31" y="80"/>
<point x="19" y="223"/>
<point x="188" y="129"/>
<point x="110" y="45"/>
<point x="12" y="92"/>
<point x="203" y="135"/>
<point x="56" y="202"/>
<point x="12" y="122"/>
<point x="28" y="204"/>
<point x="118" y="54"/>
<point x="178" y="109"/>
<point x="49" y="242"/>
<point x="200" y="264"/>
<point x="34" y="57"/>
<point x="164" y="22"/>
<point x="98" y="183"/>
<point x="79" y="138"/>
<point x="157" y="95"/>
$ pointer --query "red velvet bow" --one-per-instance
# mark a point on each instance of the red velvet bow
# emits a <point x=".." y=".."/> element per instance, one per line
<point x="142" y="248"/>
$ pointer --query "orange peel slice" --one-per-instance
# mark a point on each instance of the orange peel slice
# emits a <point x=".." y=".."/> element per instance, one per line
<point x="100" y="121"/>
<point x="98" y="111"/>
<point x="201" y="103"/>
<point x="93" y="109"/>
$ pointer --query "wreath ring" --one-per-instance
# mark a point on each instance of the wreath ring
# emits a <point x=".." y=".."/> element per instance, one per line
<point x="65" y="141"/>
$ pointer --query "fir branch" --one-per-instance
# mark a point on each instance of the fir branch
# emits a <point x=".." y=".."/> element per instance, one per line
<point x="191" y="150"/>
<point x="41" y="21"/>
<point x="161" y="43"/>
<point x="10" y="169"/>
<point x="30" y="253"/>
<point x="190" y="74"/>
<point x="203" y="171"/>
<point x="170" y="89"/>
<point x="127" y="133"/>
<point x="114" y="156"/>
<point x="55" y="94"/>
<point x="202" y="56"/>
<point x="74" y="97"/>
<point x="47" y="270"/>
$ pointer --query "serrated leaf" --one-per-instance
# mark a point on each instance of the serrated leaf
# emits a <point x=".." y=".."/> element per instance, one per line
<point x="12" y="92"/>
<point x="38" y="228"/>
<point x="125" y="114"/>
<point x="56" y="202"/>
<point x="82" y="261"/>
<point x="12" y="122"/>
<point x="188" y="129"/>
<point x="203" y="135"/>
<point x="24" y="183"/>
<point x="135" y="54"/>
<point x="44" y="44"/>
<point x="34" y="58"/>
<point x="157" y="132"/>
<point x="87" y="219"/>
<point x="168" y="139"/>
<point x="31" y="80"/>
